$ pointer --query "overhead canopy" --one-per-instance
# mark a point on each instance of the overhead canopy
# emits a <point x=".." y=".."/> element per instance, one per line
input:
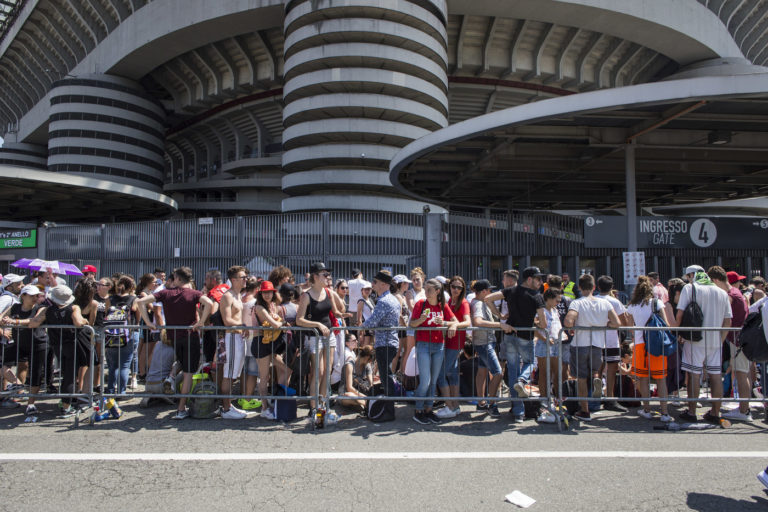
<point x="697" y="139"/>
<point x="30" y="194"/>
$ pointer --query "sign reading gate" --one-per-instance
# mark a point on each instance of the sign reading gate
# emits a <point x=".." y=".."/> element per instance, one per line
<point x="678" y="232"/>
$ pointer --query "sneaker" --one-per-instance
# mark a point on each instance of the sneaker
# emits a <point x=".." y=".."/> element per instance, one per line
<point x="546" y="417"/>
<point x="482" y="407"/>
<point x="432" y="417"/>
<point x="31" y="410"/>
<point x="711" y="418"/>
<point x="687" y="416"/>
<point x="645" y="414"/>
<point x="583" y="416"/>
<point x="14" y="388"/>
<point x="493" y="411"/>
<point x="597" y="387"/>
<point x="248" y="405"/>
<point x="614" y="406"/>
<point x="737" y="415"/>
<point x="763" y="477"/>
<point x="233" y="413"/>
<point x="180" y="415"/>
<point x="445" y="413"/>
<point x="521" y="391"/>
<point x="421" y="418"/>
<point x="168" y="386"/>
<point x="133" y="383"/>
<point x="267" y="414"/>
<point x="519" y="418"/>
<point x="666" y="418"/>
<point x="9" y="403"/>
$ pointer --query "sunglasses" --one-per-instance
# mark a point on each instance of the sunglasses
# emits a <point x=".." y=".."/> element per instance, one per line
<point x="344" y="287"/>
<point x="457" y="287"/>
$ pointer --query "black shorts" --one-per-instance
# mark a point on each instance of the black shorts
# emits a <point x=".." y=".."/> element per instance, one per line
<point x="611" y="355"/>
<point x="187" y="348"/>
<point x="259" y="349"/>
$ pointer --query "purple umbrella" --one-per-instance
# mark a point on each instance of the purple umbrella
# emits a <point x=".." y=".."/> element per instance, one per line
<point x="22" y="263"/>
<point x="54" y="266"/>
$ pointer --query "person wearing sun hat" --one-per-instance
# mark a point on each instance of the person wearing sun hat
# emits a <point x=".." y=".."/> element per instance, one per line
<point x="12" y="284"/>
<point x="71" y="350"/>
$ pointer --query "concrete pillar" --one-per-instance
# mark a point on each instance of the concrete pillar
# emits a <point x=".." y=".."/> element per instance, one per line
<point x="629" y="171"/>
<point x="672" y="269"/>
<point x="558" y="265"/>
<point x="748" y="267"/>
<point x="765" y="266"/>
<point x="433" y="242"/>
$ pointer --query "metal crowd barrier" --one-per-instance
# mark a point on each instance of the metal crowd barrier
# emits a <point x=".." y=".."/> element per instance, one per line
<point x="105" y="362"/>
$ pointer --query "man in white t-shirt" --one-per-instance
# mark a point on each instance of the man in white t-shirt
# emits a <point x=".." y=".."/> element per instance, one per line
<point x="355" y="293"/>
<point x="707" y="353"/>
<point x="587" y="345"/>
<point x="612" y="352"/>
<point x="12" y="284"/>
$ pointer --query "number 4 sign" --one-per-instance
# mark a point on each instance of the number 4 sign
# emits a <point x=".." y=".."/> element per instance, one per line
<point x="703" y="232"/>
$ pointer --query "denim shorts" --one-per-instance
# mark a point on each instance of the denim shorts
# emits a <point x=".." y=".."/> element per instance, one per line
<point x="488" y="358"/>
<point x="540" y="350"/>
<point x="251" y="366"/>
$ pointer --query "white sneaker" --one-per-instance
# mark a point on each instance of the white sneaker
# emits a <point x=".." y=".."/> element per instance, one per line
<point x="597" y="387"/>
<point x="267" y="414"/>
<point x="520" y="389"/>
<point x="666" y="418"/>
<point x="445" y="413"/>
<point x="168" y="386"/>
<point x="233" y="414"/>
<point x="181" y="415"/>
<point x="736" y="414"/>
<point x="645" y="414"/>
<point x="133" y="383"/>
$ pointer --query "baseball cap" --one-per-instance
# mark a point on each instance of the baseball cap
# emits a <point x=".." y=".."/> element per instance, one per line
<point x="482" y="284"/>
<point x="11" y="278"/>
<point x="30" y="289"/>
<point x="90" y="268"/>
<point x="531" y="272"/>
<point x="442" y="279"/>
<point x="366" y="284"/>
<point x="400" y="278"/>
<point x="734" y="277"/>
<point x="692" y="269"/>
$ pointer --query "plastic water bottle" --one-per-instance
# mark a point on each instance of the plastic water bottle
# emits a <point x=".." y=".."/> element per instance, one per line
<point x="319" y="418"/>
<point x="331" y="419"/>
<point x="114" y="409"/>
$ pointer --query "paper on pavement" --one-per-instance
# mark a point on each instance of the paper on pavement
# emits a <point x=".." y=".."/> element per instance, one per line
<point x="520" y="499"/>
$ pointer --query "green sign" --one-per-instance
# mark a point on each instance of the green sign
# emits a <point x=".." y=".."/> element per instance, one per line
<point x="18" y="238"/>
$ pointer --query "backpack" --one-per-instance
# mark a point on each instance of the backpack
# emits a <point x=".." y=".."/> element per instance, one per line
<point x="116" y="336"/>
<point x="658" y="343"/>
<point x="285" y="409"/>
<point x="202" y="406"/>
<point x="380" y="411"/>
<point x="752" y="338"/>
<point x="693" y="316"/>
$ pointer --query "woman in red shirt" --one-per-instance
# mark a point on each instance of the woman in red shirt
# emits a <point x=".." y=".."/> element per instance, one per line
<point x="448" y="380"/>
<point x="430" y="312"/>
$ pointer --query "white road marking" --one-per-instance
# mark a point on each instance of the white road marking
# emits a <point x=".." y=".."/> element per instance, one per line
<point x="6" y="457"/>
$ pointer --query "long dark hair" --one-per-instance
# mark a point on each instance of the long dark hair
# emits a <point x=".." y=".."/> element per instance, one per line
<point x="84" y="292"/>
<point x="463" y="289"/>
<point x="145" y="281"/>
<point x="643" y="293"/>
<point x="673" y="286"/>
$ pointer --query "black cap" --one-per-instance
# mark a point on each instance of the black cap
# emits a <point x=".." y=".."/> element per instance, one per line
<point x="356" y="272"/>
<point x="482" y="284"/>
<point x="384" y="277"/>
<point x="287" y="290"/>
<point x="318" y="267"/>
<point x="532" y="272"/>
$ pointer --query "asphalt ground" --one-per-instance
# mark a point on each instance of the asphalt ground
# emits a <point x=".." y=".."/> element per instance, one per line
<point x="615" y="462"/>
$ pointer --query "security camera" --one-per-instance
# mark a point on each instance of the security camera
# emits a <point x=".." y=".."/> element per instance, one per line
<point x="426" y="208"/>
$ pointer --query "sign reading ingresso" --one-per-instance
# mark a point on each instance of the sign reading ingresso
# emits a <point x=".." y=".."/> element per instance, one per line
<point x="678" y="232"/>
<point x="18" y="238"/>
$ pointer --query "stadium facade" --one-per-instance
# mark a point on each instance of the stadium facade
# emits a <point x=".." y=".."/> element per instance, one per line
<point x="136" y="109"/>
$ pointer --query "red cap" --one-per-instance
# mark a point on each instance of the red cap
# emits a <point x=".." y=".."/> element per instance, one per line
<point x="734" y="277"/>
<point x="266" y="286"/>
<point x="90" y="268"/>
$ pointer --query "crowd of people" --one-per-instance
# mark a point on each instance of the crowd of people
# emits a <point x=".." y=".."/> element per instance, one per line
<point x="435" y="339"/>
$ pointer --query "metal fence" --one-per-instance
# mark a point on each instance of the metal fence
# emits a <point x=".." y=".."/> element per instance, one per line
<point x="472" y="245"/>
<point x="97" y="367"/>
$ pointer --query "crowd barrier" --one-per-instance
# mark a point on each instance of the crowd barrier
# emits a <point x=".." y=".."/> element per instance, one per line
<point x="95" y="366"/>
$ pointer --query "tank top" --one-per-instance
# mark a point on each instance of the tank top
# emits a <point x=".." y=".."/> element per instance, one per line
<point x="28" y="337"/>
<point x="100" y="307"/>
<point x="318" y="311"/>
<point x="56" y="315"/>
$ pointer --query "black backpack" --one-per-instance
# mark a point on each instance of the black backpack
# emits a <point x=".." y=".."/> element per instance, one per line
<point x="693" y="316"/>
<point x="752" y="338"/>
<point x="380" y="411"/>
